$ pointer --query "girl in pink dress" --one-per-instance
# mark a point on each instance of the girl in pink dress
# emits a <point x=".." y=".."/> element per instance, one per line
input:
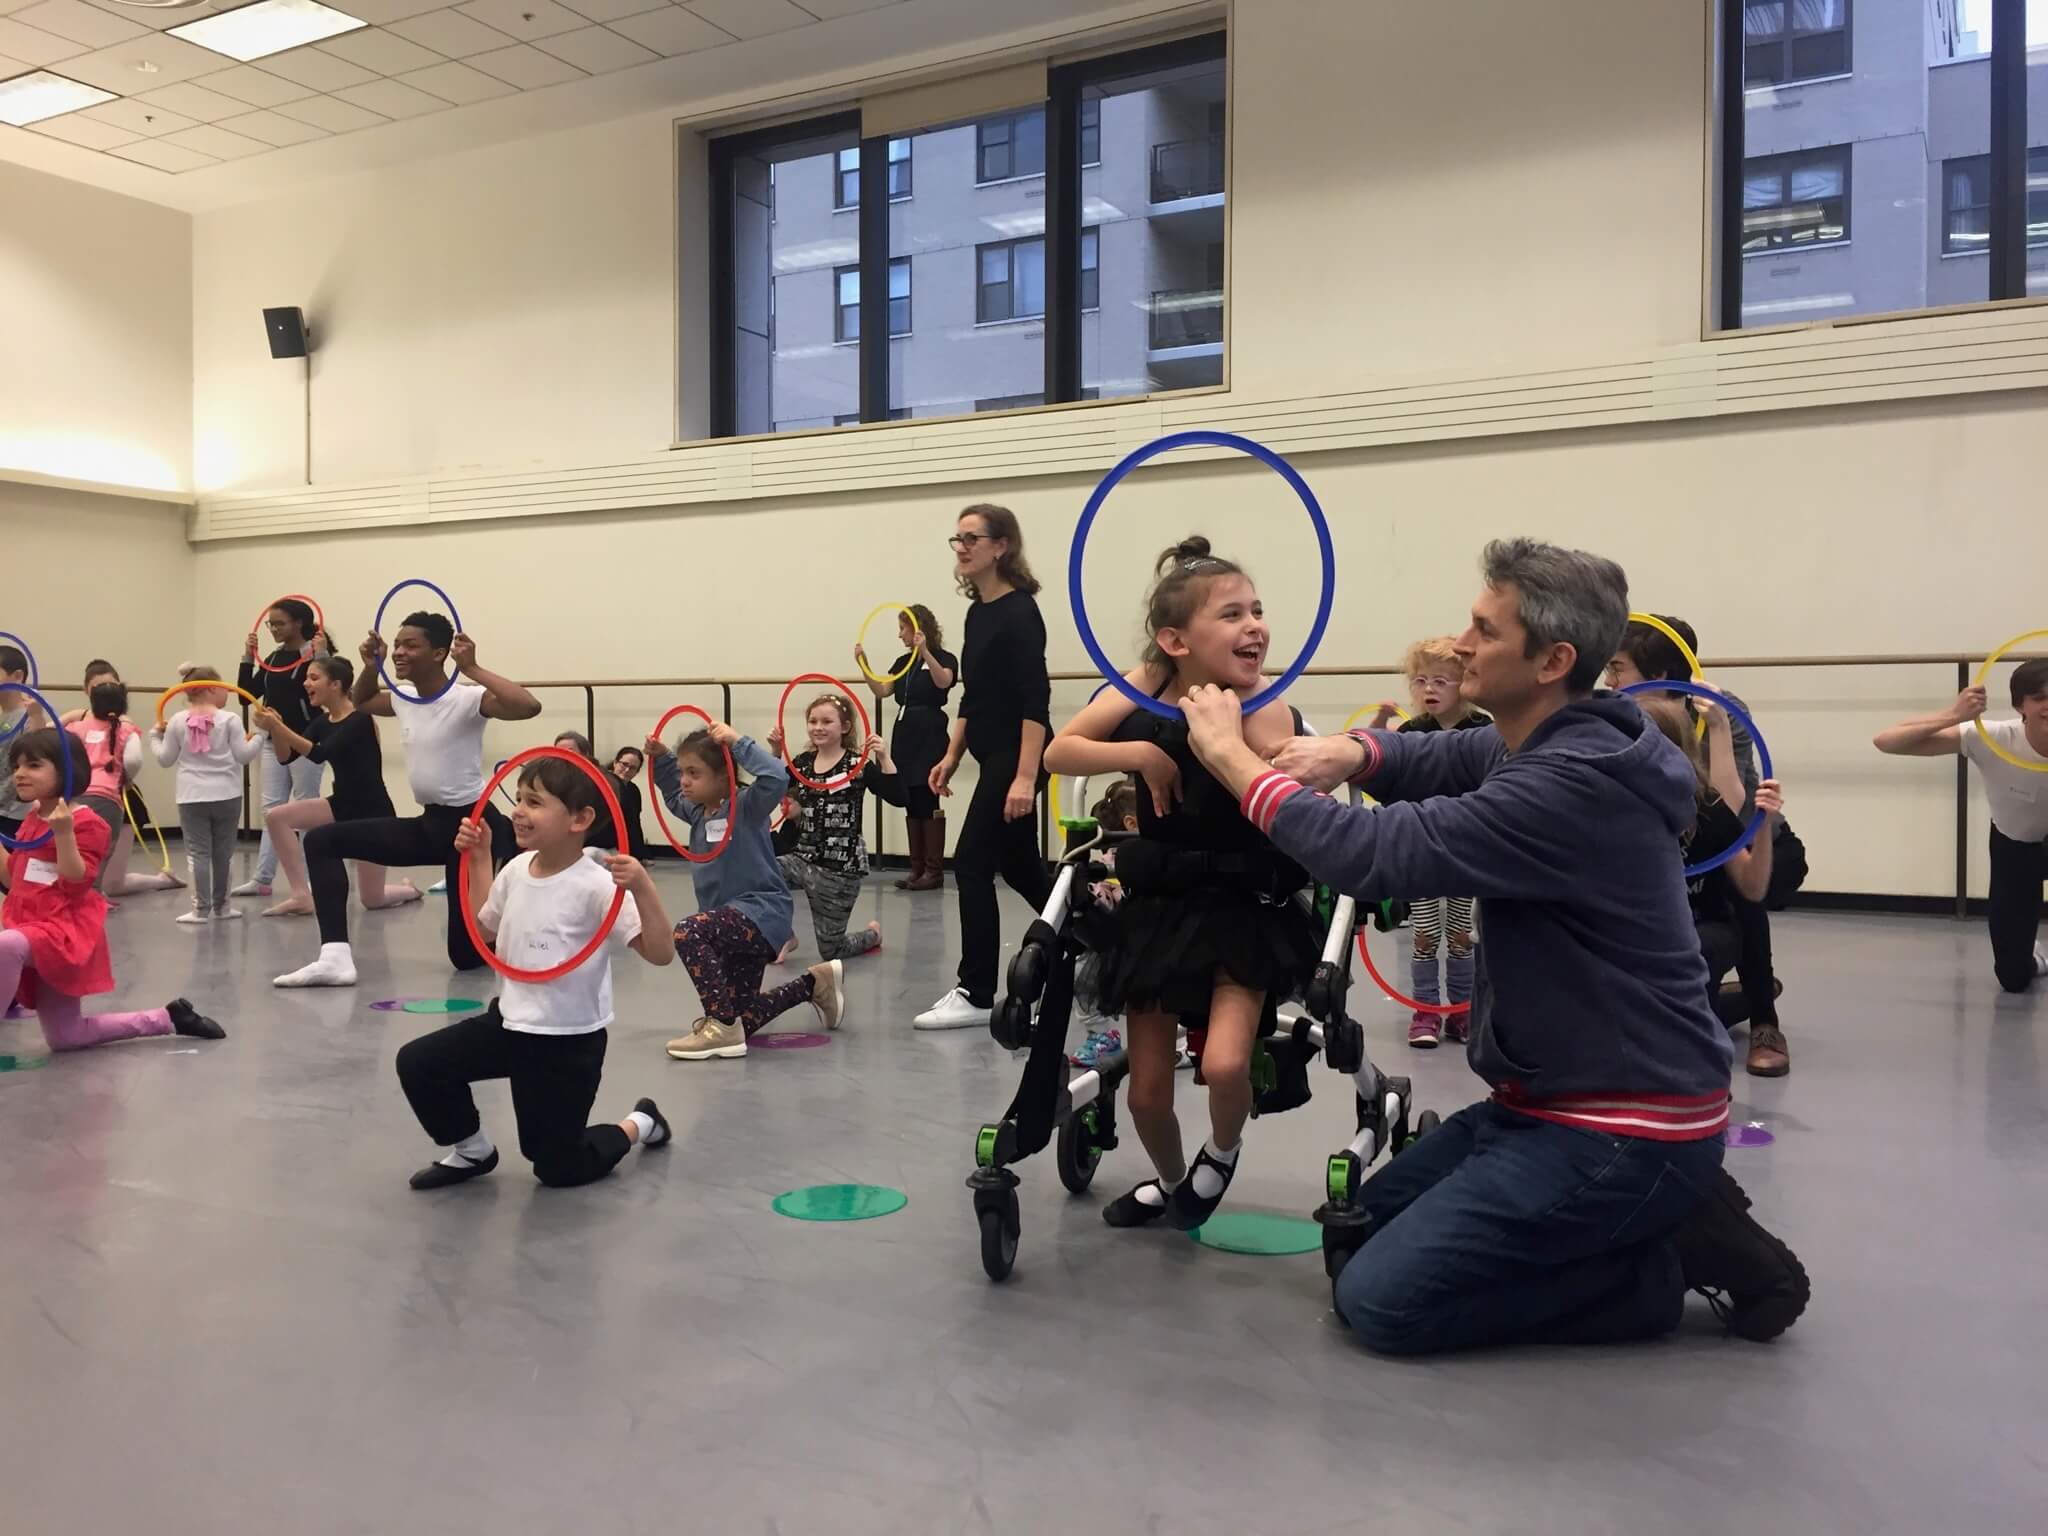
<point x="53" y="940"/>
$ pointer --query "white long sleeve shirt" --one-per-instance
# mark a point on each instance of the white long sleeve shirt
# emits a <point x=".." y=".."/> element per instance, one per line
<point x="210" y="751"/>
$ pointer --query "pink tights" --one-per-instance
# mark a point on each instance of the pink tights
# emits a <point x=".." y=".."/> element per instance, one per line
<point x="64" y="1026"/>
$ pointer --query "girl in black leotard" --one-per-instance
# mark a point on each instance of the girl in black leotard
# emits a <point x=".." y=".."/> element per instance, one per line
<point x="338" y="733"/>
<point x="1208" y="925"/>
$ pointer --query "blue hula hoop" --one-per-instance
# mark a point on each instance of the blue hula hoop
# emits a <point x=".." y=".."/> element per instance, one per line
<point x="1151" y="450"/>
<point x="1763" y="759"/>
<point x="49" y="833"/>
<point x="377" y="624"/>
<point x="35" y="680"/>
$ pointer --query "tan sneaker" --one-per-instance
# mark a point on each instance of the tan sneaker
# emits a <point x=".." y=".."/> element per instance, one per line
<point x="826" y="995"/>
<point x="709" y="1039"/>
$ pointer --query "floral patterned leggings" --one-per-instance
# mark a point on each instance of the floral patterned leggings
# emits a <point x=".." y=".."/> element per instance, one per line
<point x="725" y="955"/>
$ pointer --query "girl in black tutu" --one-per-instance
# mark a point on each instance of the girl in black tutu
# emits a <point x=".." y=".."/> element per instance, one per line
<point x="1208" y="927"/>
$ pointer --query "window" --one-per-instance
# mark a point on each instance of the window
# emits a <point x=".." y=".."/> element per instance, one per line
<point x="852" y="418"/>
<point x="846" y="324"/>
<point x="1010" y="146"/>
<point x="1012" y="281"/>
<point x="1796" y="200"/>
<point x="1040" y="283"/>
<point x="1966" y="202"/>
<point x="846" y="186"/>
<point x="1785" y="41"/>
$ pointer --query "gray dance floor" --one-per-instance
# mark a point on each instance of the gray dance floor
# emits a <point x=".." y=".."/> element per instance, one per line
<point x="223" y="1311"/>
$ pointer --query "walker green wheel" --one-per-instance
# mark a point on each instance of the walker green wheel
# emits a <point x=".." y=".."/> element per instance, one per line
<point x="1078" y="1152"/>
<point x="985" y="1147"/>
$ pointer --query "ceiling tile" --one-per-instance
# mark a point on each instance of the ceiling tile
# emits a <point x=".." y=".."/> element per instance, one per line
<point x="322" y="71"/>
<point x="81" y="23"/>
<point x="273" y="128"/>
<point x="452" y="34"/>
<point x="612" y="10"/>
<point x="258" y="87"/>
<point x="527" y="68"/>
<point x="825" y="10"/>
<point x="392" y="99"/>
<point x="512" y="17"/>
<point x="457" y="83"/>
<point x="154" y="18"/>
<point x="751" y="18"/>
<point x="380" y="51"/>
<point x="334" y="116"/>
<point x="672" y="31"/>
<point x="596" y="50"/>
<point x="164" y="157"/>
<point x="194" y="101"/>
<point x="120" y="68"/>
<point x="39" y="48"/>
<point x="382" y="13"/>
<point x="88" y="133"/>
<point x="218" y="142"/>
<point x="143" y="117"/>
<point x="13" y="5"/>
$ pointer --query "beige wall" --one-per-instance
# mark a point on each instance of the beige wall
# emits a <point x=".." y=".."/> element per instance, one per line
<point x="1466" y="186"/>
<point x="95" y="334"/>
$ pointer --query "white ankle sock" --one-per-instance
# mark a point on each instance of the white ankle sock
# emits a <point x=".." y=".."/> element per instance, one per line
<point x="1208" y="1182"/>
<point x="644" y="1122"/>
<point x="469" y="1151"/>
<point x="1153" y="1194"/>
<point x="336" y="967"/>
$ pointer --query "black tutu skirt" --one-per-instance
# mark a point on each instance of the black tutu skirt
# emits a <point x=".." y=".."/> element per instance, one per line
<point x="1167" y="951"/>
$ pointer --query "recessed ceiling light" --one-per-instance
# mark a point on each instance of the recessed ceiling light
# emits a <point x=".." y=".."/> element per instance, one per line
<point x="267" y="27"/>
<point x="32" y="97"/>
<point x="144" y="67"/>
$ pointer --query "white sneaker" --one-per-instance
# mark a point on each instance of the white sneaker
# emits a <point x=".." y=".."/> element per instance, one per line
<point x="336" y="967"/>
<point x="194" y="919"/>
<point x="953" y="1011"/>
<point x="438" y="888"/>
<point x="251" y="887"/>
<point x="228" y="914"/>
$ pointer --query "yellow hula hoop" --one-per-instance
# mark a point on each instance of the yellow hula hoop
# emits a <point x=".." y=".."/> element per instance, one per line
<point x="201" y="682"/>
<point x="128" y="805"/>
<point x="1684" y="650"/>
<point x="1985" y="671"/>
<point x="861" y="640"/>
<point x="1352" y="718"/>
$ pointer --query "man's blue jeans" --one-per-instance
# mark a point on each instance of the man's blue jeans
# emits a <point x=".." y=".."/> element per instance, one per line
<point x="1497" y="1228"/>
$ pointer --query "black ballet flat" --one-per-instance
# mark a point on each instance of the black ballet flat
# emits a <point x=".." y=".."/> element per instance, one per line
<point x="1127" y="1210"/>
<point x="441" y="1175"/>
<point x="1187" y="1210"/>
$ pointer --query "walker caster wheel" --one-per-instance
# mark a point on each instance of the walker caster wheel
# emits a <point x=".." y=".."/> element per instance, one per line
<point x="1425" y="1122"/>
<point x="1345" y="1229"/>
<point x="1000" y="1225"/>
<point x="1078" y="1153"/>
<point x="1010" y="1024"/>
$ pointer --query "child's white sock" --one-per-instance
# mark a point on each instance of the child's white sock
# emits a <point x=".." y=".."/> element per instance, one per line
<point x="469" y="1151"/>
<point x="642" y="1122"/>
<point x="336" y="967"/>
<point x="1208" y="1182"/>
<point x="1153" y="1194"/>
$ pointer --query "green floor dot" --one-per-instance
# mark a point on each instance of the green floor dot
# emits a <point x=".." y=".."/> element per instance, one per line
<point x="840" y="1202"/>
<point x="1259" y="1232"/>
<point x="442" y="1005"/>
<point x="22" y="1063"/>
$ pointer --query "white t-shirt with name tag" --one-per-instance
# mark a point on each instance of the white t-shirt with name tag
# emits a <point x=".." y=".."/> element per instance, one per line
<point x="444" y="746"/>
<point x="2018" y="797"/>
<point x="541" y="922"/>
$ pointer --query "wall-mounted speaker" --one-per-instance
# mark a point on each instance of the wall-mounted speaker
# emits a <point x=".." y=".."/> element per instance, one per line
<point x="287" y="331"/>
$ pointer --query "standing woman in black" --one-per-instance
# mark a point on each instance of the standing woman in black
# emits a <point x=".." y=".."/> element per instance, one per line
<point x="925" y="674"/>
<point x="1004" y="722"/>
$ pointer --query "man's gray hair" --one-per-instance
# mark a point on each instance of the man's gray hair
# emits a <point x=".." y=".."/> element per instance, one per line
<point x="1564" y="595"/>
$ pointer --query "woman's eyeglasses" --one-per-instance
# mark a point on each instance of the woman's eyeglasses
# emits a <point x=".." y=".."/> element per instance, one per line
<point x="966" y="541"/>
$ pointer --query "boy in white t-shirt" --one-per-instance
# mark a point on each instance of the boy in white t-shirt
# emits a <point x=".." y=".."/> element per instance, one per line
<point x="548" y="1038"/>
<point x="2018" y="798"/>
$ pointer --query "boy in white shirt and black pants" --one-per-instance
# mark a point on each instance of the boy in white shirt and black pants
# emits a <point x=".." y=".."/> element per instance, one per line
<point x="548" y="1038"/>
<point x="2016" y="786"/>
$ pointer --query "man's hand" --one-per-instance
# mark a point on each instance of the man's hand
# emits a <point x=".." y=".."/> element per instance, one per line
<point x="462" y="651"/>
<point x="1970" y="704"/>
<point x="940" y="780"/>
<point x="1320" y="762"/>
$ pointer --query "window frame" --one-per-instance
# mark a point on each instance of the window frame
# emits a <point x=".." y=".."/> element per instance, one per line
<point x="841" y="169"/>
<point x="1009" y="249"/>
<point x="1785" y="165"/>
<point x="841" y="304"/>
<point x="1008" y="121"/>
<point x="1787" y="34"/>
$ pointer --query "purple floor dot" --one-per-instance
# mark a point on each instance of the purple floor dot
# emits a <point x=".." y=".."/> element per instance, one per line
<point x="788" y="1040"/>
<point x="1751" y="1135"/>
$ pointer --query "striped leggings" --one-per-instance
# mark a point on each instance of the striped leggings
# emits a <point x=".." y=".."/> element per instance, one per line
<point x="1442" y="925"/>
<point x="832" y="896"/>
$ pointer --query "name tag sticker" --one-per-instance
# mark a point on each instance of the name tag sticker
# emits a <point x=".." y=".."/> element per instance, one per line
<point x="40" y="872"/>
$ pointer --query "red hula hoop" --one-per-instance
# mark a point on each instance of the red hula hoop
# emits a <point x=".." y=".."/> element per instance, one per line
<point x="1441" y="1009"/>
<point x="319" y="629"/>
<point x="604" y="929"/>
<point x="732" y="783"/>
<point x="857" y="759"/>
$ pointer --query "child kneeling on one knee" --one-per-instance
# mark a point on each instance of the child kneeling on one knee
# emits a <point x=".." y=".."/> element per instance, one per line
<point x="548" y="1038"/>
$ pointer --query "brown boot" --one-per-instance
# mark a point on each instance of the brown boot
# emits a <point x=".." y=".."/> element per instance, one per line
<point x="915" y="830"/>
<point x="932" y="878"/>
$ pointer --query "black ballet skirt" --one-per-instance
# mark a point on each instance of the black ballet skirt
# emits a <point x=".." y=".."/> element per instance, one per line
<point x="1205" y="897"/>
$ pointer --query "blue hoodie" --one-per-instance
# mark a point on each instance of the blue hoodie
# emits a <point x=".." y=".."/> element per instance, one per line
<point x="745" y="877"/>
<point x="1591" y="1000"/>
